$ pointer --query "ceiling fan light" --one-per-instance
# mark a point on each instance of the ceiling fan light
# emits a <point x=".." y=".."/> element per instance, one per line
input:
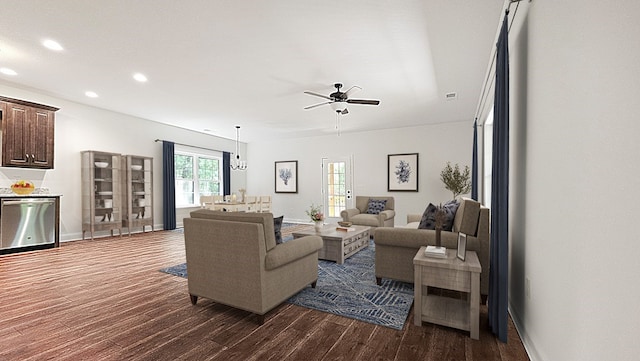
<point x="338" y="106"/>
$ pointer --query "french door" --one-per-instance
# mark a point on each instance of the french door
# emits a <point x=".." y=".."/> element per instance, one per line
<point x="336" y="187"/>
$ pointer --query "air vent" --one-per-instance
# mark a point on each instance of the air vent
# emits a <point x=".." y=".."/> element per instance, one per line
<point x="451" y="96"/>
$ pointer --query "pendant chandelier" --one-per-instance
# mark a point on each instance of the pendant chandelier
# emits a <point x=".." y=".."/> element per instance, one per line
<point x="236" y="163"/>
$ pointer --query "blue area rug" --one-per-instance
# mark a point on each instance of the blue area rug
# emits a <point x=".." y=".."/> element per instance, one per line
<point x="350" y="290"/>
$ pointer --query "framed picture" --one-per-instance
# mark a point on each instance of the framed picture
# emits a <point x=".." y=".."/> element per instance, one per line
<point x="286" y="176"/>
<point x="462" y="246"/>
<point x="402" y="172"/>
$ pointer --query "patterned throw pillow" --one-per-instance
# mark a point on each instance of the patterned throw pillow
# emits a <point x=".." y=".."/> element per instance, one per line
<point x="376" y="206"/>
<point x="277" y="226"/>
<point x="428" y="220"/>
<point x="450" y="209"/>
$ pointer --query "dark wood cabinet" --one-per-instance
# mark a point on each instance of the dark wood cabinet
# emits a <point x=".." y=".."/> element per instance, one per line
<point x="27" y="134"/>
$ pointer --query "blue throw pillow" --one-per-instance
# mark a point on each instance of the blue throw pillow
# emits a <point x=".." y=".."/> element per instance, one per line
<point x="277" y="226"/>
<point x="376" y="206"/>
<point x="428" y="220"/>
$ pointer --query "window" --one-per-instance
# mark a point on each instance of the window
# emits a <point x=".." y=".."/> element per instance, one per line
<point x="336" y="188"/>
<point x="487" y="159"/>
<point x="335" y="183"/>
<point x="196" y="174"/>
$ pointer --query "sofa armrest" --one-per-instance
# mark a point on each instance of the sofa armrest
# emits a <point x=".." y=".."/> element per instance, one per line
<point x="291" y="251"/>
<point x="388" y="214"/>
<point x="348" y="213"/>
<point x="414" y="218"/>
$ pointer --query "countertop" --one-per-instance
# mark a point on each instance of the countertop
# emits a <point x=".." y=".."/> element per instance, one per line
<point x="37" y="193"/>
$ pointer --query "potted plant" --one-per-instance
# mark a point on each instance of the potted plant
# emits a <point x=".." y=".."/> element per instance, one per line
<point x="458" y="182"/>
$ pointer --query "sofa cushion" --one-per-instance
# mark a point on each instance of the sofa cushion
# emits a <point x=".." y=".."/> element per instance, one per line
<point x="428" y="220"/>
<point x="376" y="206"/>
<point x="277" y="226"/>
<point x="370" y="220"/>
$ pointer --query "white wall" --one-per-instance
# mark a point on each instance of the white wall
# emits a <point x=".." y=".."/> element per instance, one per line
<point x="436" y="144"/>
<point x="80" y="127"/>
<point x="575" y="91"/>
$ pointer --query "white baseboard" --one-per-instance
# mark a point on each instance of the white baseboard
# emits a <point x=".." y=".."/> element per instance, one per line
<point x="529" y="348"/>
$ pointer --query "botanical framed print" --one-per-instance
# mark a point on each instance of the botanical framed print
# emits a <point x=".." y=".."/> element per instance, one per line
<point x="286" y="176"/>
<point x="462" y="246"/>
<point x="402" y="172"/>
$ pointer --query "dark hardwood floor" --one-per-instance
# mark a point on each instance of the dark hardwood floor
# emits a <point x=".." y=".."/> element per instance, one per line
<point x="105" y="299"/>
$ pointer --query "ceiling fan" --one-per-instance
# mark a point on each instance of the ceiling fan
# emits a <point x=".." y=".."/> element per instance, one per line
<point x="339" y="100"/>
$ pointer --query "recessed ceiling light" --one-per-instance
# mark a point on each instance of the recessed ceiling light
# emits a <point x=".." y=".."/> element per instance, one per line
<point x="52" y="45"/>
<point x="140" y="77"/>
<point x="8" y="71"/>
<point x="91" y="94"/>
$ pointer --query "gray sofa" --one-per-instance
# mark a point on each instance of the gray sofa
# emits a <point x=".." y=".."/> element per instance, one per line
<point x="233" y="259"/>
<point x="396" y="247"/>
<point x="359" y="215"/>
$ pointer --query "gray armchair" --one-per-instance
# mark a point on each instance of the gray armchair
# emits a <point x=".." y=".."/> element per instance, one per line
<point x="359" y="215"/>
<point x="233" y="259"/>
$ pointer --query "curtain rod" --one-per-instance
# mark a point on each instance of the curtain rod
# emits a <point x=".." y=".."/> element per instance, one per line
<point x="192" y="146"/>
<point x="489" y="80"/>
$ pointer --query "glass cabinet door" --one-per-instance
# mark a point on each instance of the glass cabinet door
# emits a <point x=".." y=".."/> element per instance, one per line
<point x="138" y="197"/>
<point x="101" y="192"/>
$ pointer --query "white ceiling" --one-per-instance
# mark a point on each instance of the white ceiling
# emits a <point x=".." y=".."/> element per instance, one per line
<point x="217" y="64"/>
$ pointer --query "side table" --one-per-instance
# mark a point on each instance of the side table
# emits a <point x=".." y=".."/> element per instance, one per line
<point x="453" y="274"/>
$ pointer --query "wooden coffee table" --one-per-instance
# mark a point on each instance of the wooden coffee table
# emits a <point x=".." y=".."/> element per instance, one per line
<point x="452" y="274"/>
<point x="339" y="245"/>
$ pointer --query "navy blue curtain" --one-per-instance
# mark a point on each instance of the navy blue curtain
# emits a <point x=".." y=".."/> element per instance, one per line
<point x="168" y="185"/>
<point x="226" y="173"/>
<point x="474" y="162"/>
<point x="499" y="249"/>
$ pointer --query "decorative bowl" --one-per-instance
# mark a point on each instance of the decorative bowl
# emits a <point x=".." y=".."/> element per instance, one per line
<point x="22" y="187"/>
<point x="136" y="167"/>
<point x="101" y="164"/>
<point x="345" y="224"/>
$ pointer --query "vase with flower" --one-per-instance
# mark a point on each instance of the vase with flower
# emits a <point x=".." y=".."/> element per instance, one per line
<point x="317" y="217"/>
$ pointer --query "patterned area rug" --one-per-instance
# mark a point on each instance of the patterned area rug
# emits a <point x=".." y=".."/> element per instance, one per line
<point x="349" y="289"/>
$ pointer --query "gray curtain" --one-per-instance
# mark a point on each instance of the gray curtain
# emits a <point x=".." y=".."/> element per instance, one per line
<point x="499" y="249"/>
<point x="168" y="185"/>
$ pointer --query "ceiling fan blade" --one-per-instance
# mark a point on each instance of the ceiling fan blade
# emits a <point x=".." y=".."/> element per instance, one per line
<point x="317" y="105"/>
<point x="353" y="89"/>
<point x="317" y="95"/>
<point x="345" y="111"/>
<point x="363" y="101"/>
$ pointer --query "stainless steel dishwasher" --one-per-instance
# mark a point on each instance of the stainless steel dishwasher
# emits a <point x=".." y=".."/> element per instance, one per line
<point x="26" y="222"/>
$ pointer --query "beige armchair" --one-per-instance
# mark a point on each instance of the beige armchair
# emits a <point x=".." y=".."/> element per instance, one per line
<point x="359" y="215"/>
<point x="233" y="259"/>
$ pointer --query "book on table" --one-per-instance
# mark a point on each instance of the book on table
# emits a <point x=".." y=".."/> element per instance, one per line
<point x="433" y="251"/>
<point x="345" y="229"/>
